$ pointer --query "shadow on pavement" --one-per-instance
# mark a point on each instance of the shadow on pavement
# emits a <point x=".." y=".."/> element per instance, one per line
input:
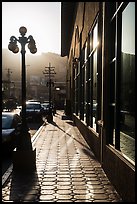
<point x="85" y="149"/>
<point x="24" y="187"/>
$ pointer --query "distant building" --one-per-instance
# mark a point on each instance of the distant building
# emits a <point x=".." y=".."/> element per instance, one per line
<point x="36" y="82"/>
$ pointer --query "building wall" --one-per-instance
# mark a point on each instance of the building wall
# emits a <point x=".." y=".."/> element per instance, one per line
<point x="84" y="21"/>
<point x="101" y="138"/>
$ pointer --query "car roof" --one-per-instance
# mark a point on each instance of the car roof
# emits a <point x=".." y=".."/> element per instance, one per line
<point x="9" y="113"/>
<point x="45" y="103"/>
<point x="32" y="102"/>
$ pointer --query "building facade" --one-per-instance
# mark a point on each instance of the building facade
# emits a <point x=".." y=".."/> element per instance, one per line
<point x="99" y="40"/>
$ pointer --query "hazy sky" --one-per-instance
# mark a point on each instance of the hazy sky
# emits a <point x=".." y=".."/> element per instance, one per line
<point x="42" y="20"/>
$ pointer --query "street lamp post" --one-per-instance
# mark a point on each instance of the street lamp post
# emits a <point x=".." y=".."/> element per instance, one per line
<point x="24" y="156"/>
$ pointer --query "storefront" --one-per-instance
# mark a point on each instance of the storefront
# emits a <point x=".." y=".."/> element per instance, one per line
<point x="101" y="88"/>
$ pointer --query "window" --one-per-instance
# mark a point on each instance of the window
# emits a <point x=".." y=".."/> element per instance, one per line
<point x="76" y="85"/>
<point x="86" y="79"/>
<point x="93" y="70"/>
<point x="122" y="77"/>
<point x="127" y="82"/>
<point x="95" y="75"/>
<point x="85" y="82"/>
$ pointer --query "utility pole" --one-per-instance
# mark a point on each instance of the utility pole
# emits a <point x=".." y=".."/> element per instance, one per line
<point x="9" y="81"/>
<point x="49" y="72"/>
<point x="27" y="81"/>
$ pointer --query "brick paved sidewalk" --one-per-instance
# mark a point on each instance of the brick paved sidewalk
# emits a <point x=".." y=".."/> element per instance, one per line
<point x="66" y="170"/>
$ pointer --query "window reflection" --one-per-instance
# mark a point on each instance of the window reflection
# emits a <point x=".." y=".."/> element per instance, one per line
<point x="85" y="82"/>
<point x="95" y="44"/>
<point x="127" y="93"/>
<point x="95" y="37"/>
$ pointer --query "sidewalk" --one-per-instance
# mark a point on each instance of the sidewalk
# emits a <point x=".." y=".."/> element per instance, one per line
<point x="66" y="170"/>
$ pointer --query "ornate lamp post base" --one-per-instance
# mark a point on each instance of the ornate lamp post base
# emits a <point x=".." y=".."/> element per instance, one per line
<point x="23" y="156"/>
<point x="24" y="160"/>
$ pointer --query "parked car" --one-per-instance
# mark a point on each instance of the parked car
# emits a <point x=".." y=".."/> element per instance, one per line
<point x="11" y="129"/>
<point x="34" y="111"/>
<point x="9" y="105"/>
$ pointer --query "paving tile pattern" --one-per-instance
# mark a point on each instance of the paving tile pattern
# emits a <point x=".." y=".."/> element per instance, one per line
<point x="66" y="170"/>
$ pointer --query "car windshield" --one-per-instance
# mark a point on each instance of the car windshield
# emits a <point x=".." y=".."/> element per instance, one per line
<point x="6" y="121"/>
<point x="33" y="106"/>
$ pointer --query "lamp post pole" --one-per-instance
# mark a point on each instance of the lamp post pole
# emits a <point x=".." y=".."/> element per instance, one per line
<point x="26" y="142"/>
<point x="24" y="146"/>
